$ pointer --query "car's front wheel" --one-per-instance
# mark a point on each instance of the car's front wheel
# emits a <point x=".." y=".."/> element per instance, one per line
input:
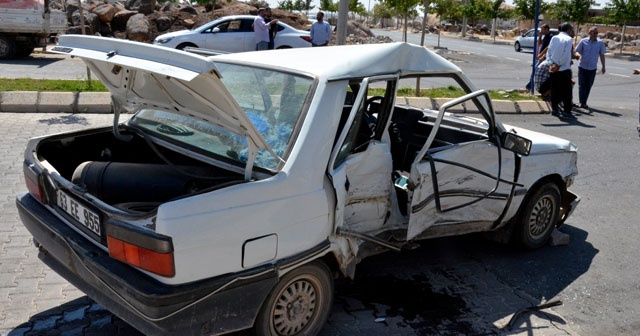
<point x="181" y="46"/>
<point x="517" y="47"/>
<point x="299" y="304"/>
<point x="537" y="217"/>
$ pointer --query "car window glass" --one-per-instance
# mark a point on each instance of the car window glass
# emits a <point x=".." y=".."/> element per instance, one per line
<point x="247" y="26"/>
<point x="221" y="26"/>
<point x="273" y="101"/>
<point x="234" y="26"/>
<point x="365" y="126"/>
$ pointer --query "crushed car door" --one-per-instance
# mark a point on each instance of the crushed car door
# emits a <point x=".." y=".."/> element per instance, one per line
<point x="361" y="163"/>
<point x="461" y="179"/>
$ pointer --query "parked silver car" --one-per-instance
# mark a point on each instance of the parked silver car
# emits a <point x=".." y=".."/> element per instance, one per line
<point x="232" y="34"/>
<point x="526" y="40"/>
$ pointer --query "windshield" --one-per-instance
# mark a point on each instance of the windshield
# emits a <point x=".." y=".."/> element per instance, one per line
<point x="272" y="100"/>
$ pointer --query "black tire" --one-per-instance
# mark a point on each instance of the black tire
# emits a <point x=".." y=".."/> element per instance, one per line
<point x="7" y="48"/>
<point x="517" y="47"/>
<point x="184" y="45"/>
<point x="537" y="217"/>
<point x="299" y="304"/>
<point x="24" y="51"/>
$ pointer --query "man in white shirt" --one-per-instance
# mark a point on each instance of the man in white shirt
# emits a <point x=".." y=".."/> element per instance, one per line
<point x="559" y="54"/>
<point x="320" y="31"/>
<point x="261" y="29"/>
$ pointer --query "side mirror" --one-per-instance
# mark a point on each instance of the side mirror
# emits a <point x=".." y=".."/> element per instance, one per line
<point x="215" y="30"/>
<point x="516" y="143"/>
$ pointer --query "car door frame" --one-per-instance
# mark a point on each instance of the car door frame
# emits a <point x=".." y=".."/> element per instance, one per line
<point x="426" y="210"/>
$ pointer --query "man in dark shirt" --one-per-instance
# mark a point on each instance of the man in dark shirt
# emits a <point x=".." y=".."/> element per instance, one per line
<point x="543" y="42"/>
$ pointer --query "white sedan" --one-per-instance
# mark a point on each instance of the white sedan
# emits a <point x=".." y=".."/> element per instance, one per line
<point x="232" y="34"/>
<point x="242" y="184"/>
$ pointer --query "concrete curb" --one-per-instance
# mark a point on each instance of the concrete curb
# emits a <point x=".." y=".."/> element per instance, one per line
<point x="55" y="102"/>
<point x="100" y="102"/>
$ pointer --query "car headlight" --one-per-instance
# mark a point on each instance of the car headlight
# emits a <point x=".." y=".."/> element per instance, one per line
<point x="162" y="40"/>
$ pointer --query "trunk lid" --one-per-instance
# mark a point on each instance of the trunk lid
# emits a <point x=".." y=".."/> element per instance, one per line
<point x="139" y="75"/>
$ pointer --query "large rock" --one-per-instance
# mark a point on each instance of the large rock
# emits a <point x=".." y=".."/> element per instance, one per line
<point x="163" y="23"/>
<point x="138" y="28"/>
<point x="90" y="19"/>
<point x="147" y="6"/>
<point x="119" y="22"/>
<point x="105" y="12"/>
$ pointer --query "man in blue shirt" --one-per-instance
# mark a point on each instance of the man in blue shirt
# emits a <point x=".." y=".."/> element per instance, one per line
<point x="590" y="50"/>
<point x="559" y="54"/>
<point x="320" y="31"/>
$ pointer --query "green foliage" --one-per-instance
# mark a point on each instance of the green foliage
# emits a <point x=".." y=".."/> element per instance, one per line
<point x="357" y="7"/>
<point x="622" y="11"/>
<point x="329" y="6"/>
<point x="572" y="10"/>
<point x="52" y="85"/>
<point x="526" y="9"/>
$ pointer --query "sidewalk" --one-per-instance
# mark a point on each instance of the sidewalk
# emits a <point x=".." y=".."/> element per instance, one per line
<point x="100" y="102"/>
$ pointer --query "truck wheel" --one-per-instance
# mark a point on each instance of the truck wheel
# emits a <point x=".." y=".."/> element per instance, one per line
<point x="7" y="48"/>
<point x="299" y="304"/>
<point x="24" y="51"/>
<point x="537" y="217"/>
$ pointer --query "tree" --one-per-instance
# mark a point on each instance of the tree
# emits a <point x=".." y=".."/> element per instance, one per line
<point x="444" y="9"/>
<point x="526" y="9"/>
<point x="286" y="5"/>
<point x="472" y="10"/>
<point x="357" y="7"/>
<point x="383" y="12"/>
<point x="621" y="12"/>
<point x="404" y="8"/>
<point x="493" y="10"/>
<point x="573" y="11"/>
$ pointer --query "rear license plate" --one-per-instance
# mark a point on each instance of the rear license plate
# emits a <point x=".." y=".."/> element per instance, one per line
<point x="79" y="212"/>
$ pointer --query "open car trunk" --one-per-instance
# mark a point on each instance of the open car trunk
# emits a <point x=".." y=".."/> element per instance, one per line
<point x="134" y="175"/>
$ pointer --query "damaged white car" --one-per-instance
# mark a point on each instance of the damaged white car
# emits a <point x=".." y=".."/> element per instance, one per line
<point x="244" y="183"/>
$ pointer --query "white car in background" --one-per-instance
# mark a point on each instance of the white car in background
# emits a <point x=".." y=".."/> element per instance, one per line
<point x="525" y="41"/>
<point x="232" y="34"/>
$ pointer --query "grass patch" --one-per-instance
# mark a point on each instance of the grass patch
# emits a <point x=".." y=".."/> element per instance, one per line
<point x="53" y="85"/>
<point x="63" y="85"/>
<point x="455" y="92"/>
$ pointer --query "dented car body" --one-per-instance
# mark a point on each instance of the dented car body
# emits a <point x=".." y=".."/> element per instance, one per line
<point x="244" y="183"/>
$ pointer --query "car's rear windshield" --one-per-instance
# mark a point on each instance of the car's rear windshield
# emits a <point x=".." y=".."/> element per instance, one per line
<point x="273" y="100"/>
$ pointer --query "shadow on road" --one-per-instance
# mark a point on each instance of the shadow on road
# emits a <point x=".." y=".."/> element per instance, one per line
<point x="448" y="286"/>
<point x="66" y="120"/>
<point x="38" y="60"/>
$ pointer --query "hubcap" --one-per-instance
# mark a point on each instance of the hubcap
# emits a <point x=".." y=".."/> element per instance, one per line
<point x="294" y="308"/>
<point x="541" y="216"/>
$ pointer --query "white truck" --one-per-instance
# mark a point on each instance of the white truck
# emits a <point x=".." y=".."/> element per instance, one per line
<point x="26" y="25"/>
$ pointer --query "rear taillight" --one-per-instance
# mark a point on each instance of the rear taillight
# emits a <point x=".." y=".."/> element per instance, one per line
<point x="147" y="250"/>
<point x="306" y="38"/>
<point x="148" y="260"/>
<point x="31" y="179"/>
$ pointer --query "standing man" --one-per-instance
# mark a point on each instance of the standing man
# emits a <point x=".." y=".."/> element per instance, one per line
<point x="261" y="29"/>
<point x="559" y="54"/>
<point x="320" y="31"/>
<point x="273" y="29"/>
<point x="589" y="50"/>
<point x="543" y="42"/>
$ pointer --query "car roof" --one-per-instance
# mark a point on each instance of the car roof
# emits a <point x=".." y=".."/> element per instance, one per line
<point x="350" y="61"/>
<point x="251" y="17"/>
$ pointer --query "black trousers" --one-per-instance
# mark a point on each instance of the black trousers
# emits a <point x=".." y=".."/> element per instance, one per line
<point x="561" y="90"/>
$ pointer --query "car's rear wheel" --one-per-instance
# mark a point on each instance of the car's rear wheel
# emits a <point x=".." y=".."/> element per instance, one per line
<point x="517" y="47"/>
<point x="181" y="46"/>
<point x="299" y="304"/>
<point x="537" y="217"/>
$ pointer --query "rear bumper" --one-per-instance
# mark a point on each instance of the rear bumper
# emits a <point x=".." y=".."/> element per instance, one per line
<point x="213" y="306"/>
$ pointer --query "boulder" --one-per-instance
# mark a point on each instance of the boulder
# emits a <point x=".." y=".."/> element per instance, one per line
<point x="138" y="28"/>
<point x="163" y="23"/>
<point x="105" y="12"/>
<point x="119" y="22"/>
<point x="147" y="6"/>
